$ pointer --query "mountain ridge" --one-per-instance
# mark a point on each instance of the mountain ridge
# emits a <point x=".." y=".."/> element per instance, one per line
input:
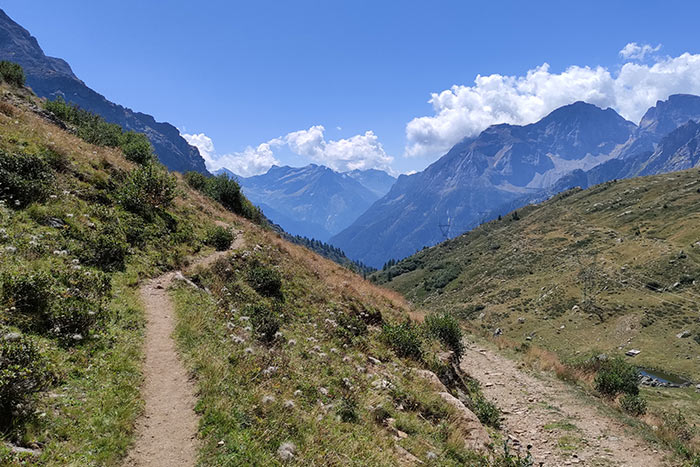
<point x="313" y="201"/>
<point x="52" y="78"/>
<point x="509" y="165"/>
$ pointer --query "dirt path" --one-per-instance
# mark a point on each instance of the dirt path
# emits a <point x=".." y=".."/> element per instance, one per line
<point x="166" y="432"/>
<point x="546" y="413"/>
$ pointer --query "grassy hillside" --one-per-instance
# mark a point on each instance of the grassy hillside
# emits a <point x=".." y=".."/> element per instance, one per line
<point x="296" y="358"/>
<point x="605" y="270"/>
<point x="80" y="227"/>
<point x="611" y="268"/>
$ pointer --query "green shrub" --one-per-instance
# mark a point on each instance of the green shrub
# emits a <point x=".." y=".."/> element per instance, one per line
<point x="23" y="372"/>
<point x="147" y="189"/>
<point x="347" y="409"/>
<point x="350" y="325"/>
<point x="442" y="275"/>
<point x="633" y="404"/>
<point x="265" y="321"/>
<point x="266" y="281"/>
<point x="220" y="238"/>
<point x="196" y="180"/>
<point x="90" y="127"/>
<point x="617" y="376"/>
<point x="486" y="411"/>
<point x="444" y="327"/>
<point x="73" y="318"/>
<point x="24" y="178"/>
<point x="136" y="147"/>
<point x="95" y="130"/>
<point x="227" y="192"/>
<point x="28" y="295"/>
<point x="106" y="250"/>
<point x="12" y="73"/>
<point x="404" y="338"/>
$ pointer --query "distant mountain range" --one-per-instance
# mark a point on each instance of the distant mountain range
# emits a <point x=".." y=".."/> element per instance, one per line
<point x="52" y="77"/>
<point x="314" y="201"/>
<point x="507" y="166"/>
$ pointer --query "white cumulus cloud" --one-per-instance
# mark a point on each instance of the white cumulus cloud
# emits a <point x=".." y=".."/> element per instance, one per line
<point x="251" y="161"/>
<point x="357" y="152"/>
<point x="466" y="110"/>
<point x="634" y="51"/>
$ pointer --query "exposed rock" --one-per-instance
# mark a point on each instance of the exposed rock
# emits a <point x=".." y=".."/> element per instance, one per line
<point x="683" y="334"/>
<point x="497" y="332"/>
<point x="12" y="336"/>
<point x="431" y="377"/>
<point x="286" y="451"/>
<point x="633" y="352"/>
<point x="473" y="432"/>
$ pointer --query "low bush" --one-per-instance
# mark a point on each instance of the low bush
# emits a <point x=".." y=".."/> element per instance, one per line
<point x="60" y="305"/>
<point x="266" y="281"/>
<point x="12" y="73"/>
<point x="95" y="130"/>
<point x="444" y="327"/>
<point x="106" y="250"/>
<point x="220" y="238"/>
<point x="616" y="376"/>
<point x="265" y="321"/>
<point x="347" y="409"/>
<point x="147" y="189"/>
<point x="136" y="147"/>
<point x="487" y="412"/>
<point x="404" y="338"/>
<point x="196" y="180"/>
<point x="24" y="178"/>
<point x="633" y="404"/>
<point x="23" y="372"/>
<point x="28" y="296"/>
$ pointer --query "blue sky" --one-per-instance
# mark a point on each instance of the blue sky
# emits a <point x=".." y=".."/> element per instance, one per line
<point x="348" y="84"/>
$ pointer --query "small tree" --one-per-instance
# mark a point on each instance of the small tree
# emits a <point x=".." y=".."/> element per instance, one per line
<point x="148" y="188"/>
<point x="12" y="73"/>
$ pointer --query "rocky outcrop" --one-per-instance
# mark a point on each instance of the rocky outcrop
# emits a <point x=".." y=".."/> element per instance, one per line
<point x="472" y="431"/>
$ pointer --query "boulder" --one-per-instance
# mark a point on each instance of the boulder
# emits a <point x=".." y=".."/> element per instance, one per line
<point x="473" y="432"/>
<point x="431" y="378"/>
<point x="683" y="334"/>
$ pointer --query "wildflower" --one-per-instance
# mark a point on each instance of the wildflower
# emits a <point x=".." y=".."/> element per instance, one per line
<point x="292" y="341"/>
<point x="238" y="340"/>
<point x="248" y="350"/>
<point x="288" y="404"/>
<point x="270" y="370"/>
<point x="323" y="391"/>
<point x="268" y="399"/>
<point x="297" y="392"/>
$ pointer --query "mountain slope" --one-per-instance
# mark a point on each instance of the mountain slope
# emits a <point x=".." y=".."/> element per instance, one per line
<point x="52" y="78"/>
<point x="480" y="178"/>
<point x="631" y="246"/>
<point x="313" y="201"/>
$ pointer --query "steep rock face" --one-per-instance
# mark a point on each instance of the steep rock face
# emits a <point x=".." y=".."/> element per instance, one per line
<point x="482" y="177"/>
<point x="664" y="130"/>
<point x="312" y="201"/>
<point x="668" y="115"/>
<point x="52" y="77"/>
<point x="679" y="150"/>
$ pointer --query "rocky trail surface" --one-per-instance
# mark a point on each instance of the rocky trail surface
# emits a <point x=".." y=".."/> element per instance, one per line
<point x="166" y="432"/>
<point x="544" y="412"/>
